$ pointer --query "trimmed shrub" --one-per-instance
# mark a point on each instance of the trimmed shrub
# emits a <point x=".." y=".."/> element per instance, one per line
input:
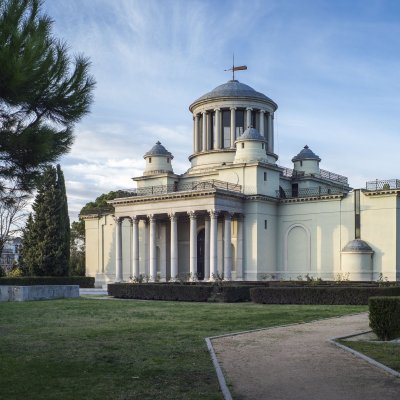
<point x="201" y="292"/>
<point x="160" y="291"/>
<point x="320" y="295"/>
<point x="384" y="317"/>
<point x="82" y="281"/>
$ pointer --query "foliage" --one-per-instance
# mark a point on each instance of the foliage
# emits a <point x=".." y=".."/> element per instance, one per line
<point x="15" y="273"/>
<point x="100" y="205"/>
<point x="384" y="317"/>
<point x="46" y="240"/>
<point x="97" y="349"/>
<point x="2" y="272"/>
<point x="82" y="281"/>
<point x="42" y="93"/>
<point x="179" y="291"/>
<point x="319" y="295"/>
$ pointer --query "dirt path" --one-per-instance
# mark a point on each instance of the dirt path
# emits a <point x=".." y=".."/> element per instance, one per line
<point x="299" y="362"/>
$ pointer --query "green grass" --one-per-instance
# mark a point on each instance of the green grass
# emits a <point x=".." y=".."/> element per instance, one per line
<point x="105" y="349"/>
<point x="386" y="353"/>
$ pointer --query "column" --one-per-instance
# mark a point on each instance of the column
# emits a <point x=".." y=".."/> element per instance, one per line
<point x="196" y="134"/>
<point x="248" y="117"/>
<point x="152" y="250"/>
<point x="217" y="130"/>
<point x="228" y="247"/>
<point x="239" y="249"/>
<point x="163" y="251"/>
<point x="270" y="133"/>
<point x="209" y="129"/>
<point x="174" y="246"/>
<point x="118" y="249"/>
<point x="261" y="116"/>
<point x="233" y="126"/>
<point x="213" y="244"/>
<point x="206" y="249"/>
<point x="135" y="247"/>
<point x="193" y="245"/>
<point x="204" y="132"/>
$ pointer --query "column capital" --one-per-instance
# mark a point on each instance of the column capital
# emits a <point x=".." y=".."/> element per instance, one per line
<point x="134" y="219"/>
<point x="213" y="213"/>
<point x="262" y="111"/>
<point x="217" y="109"/>
<point x="249" y="108"/>
<point x="117" y="220"/>
<point x="151" y="217"/>
<point x="205" y="112"/>
<point x="192" y="214"/>
<point x="232" y="108"/>
<point x="172" y="216"/>
<point x="196" y="116"/>
<point x="228" y="215"/>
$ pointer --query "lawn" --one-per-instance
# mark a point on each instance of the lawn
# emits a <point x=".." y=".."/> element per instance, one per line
<point x="386" y="353"/>
<point x="124" y="349"/>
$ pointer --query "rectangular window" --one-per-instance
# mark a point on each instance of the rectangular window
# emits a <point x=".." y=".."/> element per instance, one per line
<point x="265" y="176"/>
<point x="226" y="128"/>
<point x="149" y="160"/>
<point x="265" y="224"/>
<point x="357" y="214"/>
<point x="239" y="122"/>
<point x="242" y="145"/>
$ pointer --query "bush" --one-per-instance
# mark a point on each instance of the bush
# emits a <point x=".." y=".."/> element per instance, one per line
<point x="82" y="281"/>
<point x="202" y="292"/>
<point x="160" y="291"/>
<point x="384" y="317"/>
<point x="320" y="295"/>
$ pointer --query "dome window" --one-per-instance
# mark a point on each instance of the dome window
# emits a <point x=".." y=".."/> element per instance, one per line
<point x="149" y="160"/>
<point x="242" y="145"/>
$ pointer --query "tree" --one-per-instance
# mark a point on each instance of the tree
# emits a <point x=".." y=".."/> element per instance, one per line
<point x="100" y="207"/>
<point x="43" y="93"/>
<point x="46" y="240"/>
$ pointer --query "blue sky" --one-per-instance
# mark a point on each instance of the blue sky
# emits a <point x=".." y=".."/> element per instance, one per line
<point x="333" y="68"/>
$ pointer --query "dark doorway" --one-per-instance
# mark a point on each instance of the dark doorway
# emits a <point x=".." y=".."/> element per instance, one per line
<point x="200" y="254"/>
<point x="295" y="189"/>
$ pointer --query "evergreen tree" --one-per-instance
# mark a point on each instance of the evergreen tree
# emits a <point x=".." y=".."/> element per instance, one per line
<point x="46" y="237"/>
<point x="42" y="92"/>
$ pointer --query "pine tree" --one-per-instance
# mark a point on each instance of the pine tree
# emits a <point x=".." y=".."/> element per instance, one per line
<point x="46" y="247"/>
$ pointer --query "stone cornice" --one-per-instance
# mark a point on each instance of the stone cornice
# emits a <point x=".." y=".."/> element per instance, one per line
<point x="312" y="198"/>
<point x="217" y="192"/>
<point x="387" y="192"/>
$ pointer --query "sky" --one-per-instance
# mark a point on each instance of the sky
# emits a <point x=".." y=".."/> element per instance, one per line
<point x="333" y="68"/>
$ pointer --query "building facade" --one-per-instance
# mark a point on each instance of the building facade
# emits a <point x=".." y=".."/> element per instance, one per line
<point x="236" y="214"/>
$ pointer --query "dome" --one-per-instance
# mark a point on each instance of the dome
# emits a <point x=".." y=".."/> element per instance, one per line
<point x="250" y="134"/>
<point x="357" y="245"/>
<point x="158" y="150"/>
<point x="232" y="88"/>
<point x="306" y="154"/>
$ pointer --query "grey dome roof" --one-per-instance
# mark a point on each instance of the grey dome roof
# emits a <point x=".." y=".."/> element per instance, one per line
<point x="233" y="88"/>
<point x="158" y="150"/>
<point x="357" y="245"/>
<point x="306" y="154"/>
<point x="251" y="134"/>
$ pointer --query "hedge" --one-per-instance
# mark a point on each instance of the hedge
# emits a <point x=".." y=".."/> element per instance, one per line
<point x="82" y="281"/>
<point x="180" y="292"/>
<point x="384" y="317"/>
<point x="320" y="295"/>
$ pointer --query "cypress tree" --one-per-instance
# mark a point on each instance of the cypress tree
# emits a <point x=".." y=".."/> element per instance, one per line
<point x="46" y="249"/>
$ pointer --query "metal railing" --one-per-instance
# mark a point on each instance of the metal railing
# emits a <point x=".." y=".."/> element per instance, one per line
<point x="307" y="192"/>
<point x="291" y="173"/>
<point x="183" y="187"/>
<point x="382" y="184"/>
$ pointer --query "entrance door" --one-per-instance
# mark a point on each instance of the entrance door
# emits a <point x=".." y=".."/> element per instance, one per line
<point x="200" y="254"/>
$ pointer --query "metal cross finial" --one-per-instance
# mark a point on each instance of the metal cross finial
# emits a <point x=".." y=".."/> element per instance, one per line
<point x="233" y="69"/>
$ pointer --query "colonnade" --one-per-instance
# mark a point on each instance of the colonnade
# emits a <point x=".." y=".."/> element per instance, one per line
<point x="204" y="131"/>
<point x="210" y="245"/>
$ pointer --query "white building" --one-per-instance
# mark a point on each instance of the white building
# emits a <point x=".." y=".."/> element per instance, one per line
<point x="236" y="213"/>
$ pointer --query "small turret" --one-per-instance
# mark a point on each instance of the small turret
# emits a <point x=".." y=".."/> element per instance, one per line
<point x="158" y="160"/>
<point x="306" y="161"/>
<point x="250" y="146"/>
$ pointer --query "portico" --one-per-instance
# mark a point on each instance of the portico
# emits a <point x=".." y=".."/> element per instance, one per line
<point x="178" y="240"/>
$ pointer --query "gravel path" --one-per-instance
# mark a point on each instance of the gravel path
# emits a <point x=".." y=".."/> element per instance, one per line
<point x="298" y="362"/>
